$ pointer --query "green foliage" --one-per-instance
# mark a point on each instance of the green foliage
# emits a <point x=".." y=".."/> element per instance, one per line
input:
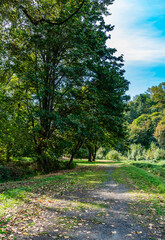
<point x="113" y="155"/>
<point x="23" y="169"/>
<point x="142" y="129"/>
<point x="136" y="152"/>
<point x="101" y="153"/>
<point x="62" y="87"/>
<point x="160" y="133"/>
<point x="160" y="154"/>
<point x="147" y="103"/>
<point x="14" y="173"/>
<point x="63" y="165"/>
<point x="158" y="95"/>
<point x="156" y="169"/>
<point x="155" y="153"/>
<point x="140" y="179"/>
<point x="146" y="118"/>
<point x="82" y="153"/>
<point x="141" y="104"/>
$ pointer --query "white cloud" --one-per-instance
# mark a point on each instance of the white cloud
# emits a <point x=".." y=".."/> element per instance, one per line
<point x="140" y="42"/>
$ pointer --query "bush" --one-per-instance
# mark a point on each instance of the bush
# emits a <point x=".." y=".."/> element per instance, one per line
<point x="160" y="154"/>
<point x="156" y="154"/>
<point x="63" y="165"/>
<point x="14" y="173"/>
<point x="82" y="153"/>
<point x="137" y="152"/>
<point x="113" y="155"/>
<point x="101" y="153"/>
<point x="10" y="173"/>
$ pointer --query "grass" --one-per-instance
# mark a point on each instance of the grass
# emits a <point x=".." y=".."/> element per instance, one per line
<point x="84" y="162"/>
<point x="15" y="193"/>
<point x="140" y="179"/>
<point x="149" y="189"/>
<point x="23" y="200"/>
<point x="152" y="167"/>
<point x="26" y="198"/>
<point x="23" y="168"/>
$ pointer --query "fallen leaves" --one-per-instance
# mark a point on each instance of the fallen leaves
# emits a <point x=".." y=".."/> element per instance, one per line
<point x="43" y="209"/>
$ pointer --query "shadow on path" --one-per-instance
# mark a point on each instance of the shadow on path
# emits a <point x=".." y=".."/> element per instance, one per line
<point x="98" y="214"/>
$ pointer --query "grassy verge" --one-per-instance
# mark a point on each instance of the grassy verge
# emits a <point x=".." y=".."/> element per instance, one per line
<point x="16" y="192"/>
<point x="140" y="179"/>
<point x="157" y="168"/>
<point x="84" y="162"/>
<point x="23" y="168"/>
<point x="21" y="201"/>
<point x="149" y="193"/>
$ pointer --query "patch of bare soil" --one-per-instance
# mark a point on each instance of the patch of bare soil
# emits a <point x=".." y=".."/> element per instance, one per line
<point x="101" y="213"/>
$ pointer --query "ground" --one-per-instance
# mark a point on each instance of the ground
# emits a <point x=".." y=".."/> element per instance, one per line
<point x="97" y="212"/>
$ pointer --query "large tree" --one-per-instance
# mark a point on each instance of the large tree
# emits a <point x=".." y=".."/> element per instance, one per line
<point x="54" y="61"/>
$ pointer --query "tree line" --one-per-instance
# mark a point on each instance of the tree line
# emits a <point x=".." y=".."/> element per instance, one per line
<point x="146" y="123"/>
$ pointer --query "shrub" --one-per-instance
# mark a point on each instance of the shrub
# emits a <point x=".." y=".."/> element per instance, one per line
<point x="82" y="153"/>
<point x="137" y="152"/>
<point x="101" y="153"/>
<point x="160" y="154"/>
<point x="10" y="173"/>
<point x="155" y="153"/>
<point x="151" y="152"/>
<point x="113" y="155"/>
<point x="14" y="173"/>
<point x="63" y="165"/>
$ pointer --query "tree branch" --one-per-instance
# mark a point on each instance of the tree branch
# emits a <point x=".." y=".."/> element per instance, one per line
<point x="36" y="22"/>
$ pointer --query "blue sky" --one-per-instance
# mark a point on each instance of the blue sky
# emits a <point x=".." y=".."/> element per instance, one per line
<point x="139" y="34"/>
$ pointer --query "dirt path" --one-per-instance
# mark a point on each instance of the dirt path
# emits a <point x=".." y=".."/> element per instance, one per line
<point x="98" y="214"/>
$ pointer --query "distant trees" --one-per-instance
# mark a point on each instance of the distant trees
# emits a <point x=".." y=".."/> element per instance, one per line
<point x="146" y="117"/>
<point x="141" y="104"/>
<point x="142" y="129"/>
<point x="158" y="93"/>
<point x="160" y="132"/>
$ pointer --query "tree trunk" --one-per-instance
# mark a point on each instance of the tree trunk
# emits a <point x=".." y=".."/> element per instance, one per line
<point x="43" y="161"/>
<point x="44" y="164"/>
<point x="71" y="160"/>
<point x="90" y="154"/>
<point x="78" y="146"/>
<point x="94" y="154"/>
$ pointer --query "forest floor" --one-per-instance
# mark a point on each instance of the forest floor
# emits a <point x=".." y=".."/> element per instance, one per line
<point x="80" y="204"/>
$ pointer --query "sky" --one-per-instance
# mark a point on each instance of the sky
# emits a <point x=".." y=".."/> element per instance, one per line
<point x="139" y="35"/>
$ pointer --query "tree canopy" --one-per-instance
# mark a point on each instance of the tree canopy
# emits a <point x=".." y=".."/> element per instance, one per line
<point x="146" y="117"/>
<point x="66" y="86"/>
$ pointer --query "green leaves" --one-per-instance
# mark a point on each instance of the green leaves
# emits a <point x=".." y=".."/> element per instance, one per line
<point x="66" y="84"/>
<point x="146" y="117"/>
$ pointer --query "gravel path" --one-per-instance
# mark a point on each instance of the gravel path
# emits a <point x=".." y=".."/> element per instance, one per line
<point x="98" y="214"/>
